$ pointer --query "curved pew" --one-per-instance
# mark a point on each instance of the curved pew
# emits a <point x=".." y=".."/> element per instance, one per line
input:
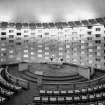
<point x="15" y="80"/>
<point x="8" y="85"/>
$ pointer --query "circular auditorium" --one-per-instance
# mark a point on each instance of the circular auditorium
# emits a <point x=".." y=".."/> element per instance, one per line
<point x="52" y="52"/>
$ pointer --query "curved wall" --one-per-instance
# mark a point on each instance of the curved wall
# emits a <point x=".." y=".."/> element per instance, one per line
<point x="78" y="45"/>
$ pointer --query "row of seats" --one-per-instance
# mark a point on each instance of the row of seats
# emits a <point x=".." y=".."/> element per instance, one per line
<point x="79" y="96"/>
<point x="8" y="85"/>
<point x="14" y="80"/>
<point x="7" y="89"/>
<point x="89" y="90"/>
<point x="69" y="99"/>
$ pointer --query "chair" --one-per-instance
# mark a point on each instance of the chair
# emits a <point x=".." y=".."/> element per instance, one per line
<point x="37" y="100"/>
<point x="95" y="89"/>
<point x="90" y="90"/>
<point x="84" y="91"/>
<point x="45" y="100"/>
<point x="103" y="94"/>
<point x="84" y="98"/>
<point x="69" y="99"/>
<point x="92" y="103"/>
<point x="56" y="92"/>
<point x="77" y="91"/>
<point x="52" y="100"/>
<point x="42" y="92"/>
<point x="49" y="92"/>
<point x="91" y="97"/>
<point x="70" y="92"/>
<point x="100" y="103"/>
<point x="77" y="99"/>
<point x="60" y="100"/>
<point x="101" y="88"/>
<point x="63" y="92"/>
<point x="98" y="96"/>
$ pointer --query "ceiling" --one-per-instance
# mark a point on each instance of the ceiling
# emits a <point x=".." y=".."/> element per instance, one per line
<point x="50" y="10"/>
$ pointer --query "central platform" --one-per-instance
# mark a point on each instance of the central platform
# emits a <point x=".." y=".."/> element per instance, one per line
<point x="49" y="69"/>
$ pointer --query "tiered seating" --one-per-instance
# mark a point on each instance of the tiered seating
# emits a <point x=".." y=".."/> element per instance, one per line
<point x="8" y="89"/>
<point x="8" y="85"/>
<point x="91" y="96"/>
<point x="67" y="101"/>
<point x="14" y="80"/>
